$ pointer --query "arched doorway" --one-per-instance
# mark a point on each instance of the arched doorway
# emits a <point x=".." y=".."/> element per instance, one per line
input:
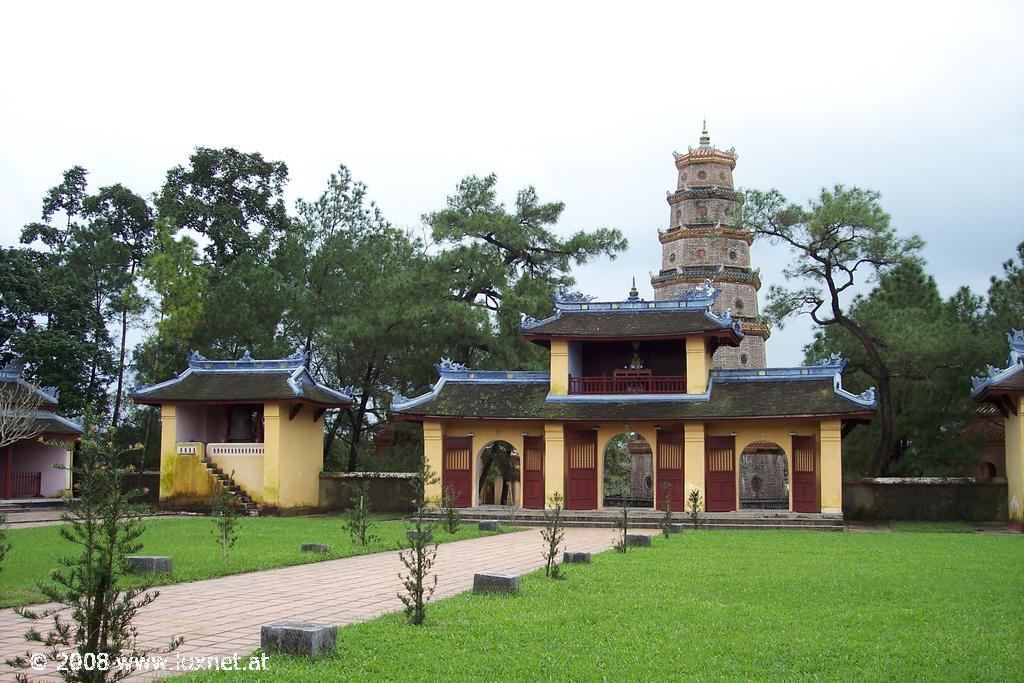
<point x="764" y="477"/>
<point x="628" y="471"/>
<point x="498" y="474"/>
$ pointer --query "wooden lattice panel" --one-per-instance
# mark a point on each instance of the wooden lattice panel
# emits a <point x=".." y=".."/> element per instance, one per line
<point x="582" y="456"/>
<point x="720" y="460"/>
<point x="803" y="460"/>
<point x="456" y="459"/>
<point x="670" y="456"/>
<point x="534" y="459"/>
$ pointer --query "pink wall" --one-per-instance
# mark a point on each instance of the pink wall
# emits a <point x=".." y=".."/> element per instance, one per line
<point x="35" y="456"/>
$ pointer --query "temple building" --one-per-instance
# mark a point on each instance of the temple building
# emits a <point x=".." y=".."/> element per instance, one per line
<point x="255" y="427"/>
<point x="704" y="240"/>
<point x="37" y="461"/>
<point x="635" y="378"/>
<point x="1003" y="388"/>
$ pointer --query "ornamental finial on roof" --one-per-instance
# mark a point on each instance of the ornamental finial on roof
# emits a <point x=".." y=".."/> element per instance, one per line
<point x="705" y="139"/>
<point x="634" y="294"/>
<point x="14" y="367"/>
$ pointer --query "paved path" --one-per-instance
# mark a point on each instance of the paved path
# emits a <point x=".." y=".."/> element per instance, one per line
<point x="223" y="616"/>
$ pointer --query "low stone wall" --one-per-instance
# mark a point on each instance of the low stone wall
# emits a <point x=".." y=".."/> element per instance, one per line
<point x="147" y="481"/>
<point x="389" y="491"/>
<point x="925" y="498"/>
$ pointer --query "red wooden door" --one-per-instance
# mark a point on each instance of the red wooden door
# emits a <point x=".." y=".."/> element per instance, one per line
<point x="581" y="470"/>
<point x="805" y="474"/>
<point x="456" y="472"/>
<point x="720" y="474"/>
<point x="533" y="472"/>
<point x="670" y="469"/>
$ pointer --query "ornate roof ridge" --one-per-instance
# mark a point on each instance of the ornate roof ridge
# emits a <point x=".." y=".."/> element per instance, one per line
<point x="831" y="367"/>
<point x="197" y="361"/>
<point x="12" y="372"/>
<point x="1014" y="365"/>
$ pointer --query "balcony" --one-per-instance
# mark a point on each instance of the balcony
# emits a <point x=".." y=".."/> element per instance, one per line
<point x="628" y="382"/>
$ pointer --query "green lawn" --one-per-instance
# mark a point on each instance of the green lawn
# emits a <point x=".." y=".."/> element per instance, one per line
<point x="263" y="542"/>
<point x="720" y="604"/>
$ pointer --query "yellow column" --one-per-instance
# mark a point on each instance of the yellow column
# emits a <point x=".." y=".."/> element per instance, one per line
<point x="1015" y="465"/>
<point x="168" y="450"/>
<point x="559" y="367"/>
<point x="697" y="365"/>
<point x="693" y="460"/>
<point x="831" y="440"/>
<point x="554" y="461"/>
<point x="272" y="448"/>
<point x="433" y="452"/>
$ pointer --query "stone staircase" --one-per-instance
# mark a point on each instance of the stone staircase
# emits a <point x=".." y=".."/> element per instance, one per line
<point x="246" y="504"/>
<point x="645" y="518"/>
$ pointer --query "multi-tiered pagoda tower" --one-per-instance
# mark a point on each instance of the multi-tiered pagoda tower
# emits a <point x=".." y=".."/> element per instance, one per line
<point x="704" y="241"/>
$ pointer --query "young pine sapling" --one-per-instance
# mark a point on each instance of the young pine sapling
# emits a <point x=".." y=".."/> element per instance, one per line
<point x="622" y="524"/>
<point x="693" y="505"/>
<point x="666" y="517"/>
<point x="359" y="521"/>
<point x="553" y="534"/>
<point x="419" y="555"/>
<point x="450" y="518"/>
<point x="225" y="521"/>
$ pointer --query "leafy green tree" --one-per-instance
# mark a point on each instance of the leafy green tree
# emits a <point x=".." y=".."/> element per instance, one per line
<point x="930" y="352"/>
<point x="843" y="238"/>
<point x="507" y="263"/>
<point x="1005" y="308"/>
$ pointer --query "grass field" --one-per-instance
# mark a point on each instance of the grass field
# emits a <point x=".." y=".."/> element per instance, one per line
<point x="263" y="542"/>
<point x="720" y="604"/>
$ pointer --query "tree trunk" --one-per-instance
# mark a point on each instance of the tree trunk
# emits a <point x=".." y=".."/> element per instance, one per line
<point x="880" y="371"/>
<point x="120" y="371"/>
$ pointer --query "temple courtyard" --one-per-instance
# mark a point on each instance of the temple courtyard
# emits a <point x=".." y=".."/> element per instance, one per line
<point x="915" y="601"/>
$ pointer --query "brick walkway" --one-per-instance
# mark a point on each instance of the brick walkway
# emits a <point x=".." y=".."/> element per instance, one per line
<point x="223" y="616"/>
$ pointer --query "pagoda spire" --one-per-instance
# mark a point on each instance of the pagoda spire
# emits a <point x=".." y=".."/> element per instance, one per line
<point x="705" y="139"/>
<point x="634" y="294"/>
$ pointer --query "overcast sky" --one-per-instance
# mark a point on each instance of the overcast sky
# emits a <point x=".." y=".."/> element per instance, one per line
<point x="921" y="101"/>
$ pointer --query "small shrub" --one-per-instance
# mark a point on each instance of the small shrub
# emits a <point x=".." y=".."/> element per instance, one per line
<point x="693" y="505"/>
<point x="419" y="555"/>
<point x="225" y="521"/>
<point x="512" y="509"/>
<point x="666" y="518"/>
<point x="450" y="518"/>
<point x="553" y="533"/>
<point x="622" y="524"/>
<point x="4" y="545"/>
<point x="359" y="521"/>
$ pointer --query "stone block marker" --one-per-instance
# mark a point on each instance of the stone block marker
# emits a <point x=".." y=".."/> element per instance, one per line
<point x="316" y="548"/>
<point x="301" y="638"/>
<point x="149" y="564"/>
<point x="489" y="525"/>
<point x="412" y="535"/>
<point x="488" y="582"/>
<point x="638" y="540"/>
<point x="678" y="528"/>
<point x="571" y="557"/>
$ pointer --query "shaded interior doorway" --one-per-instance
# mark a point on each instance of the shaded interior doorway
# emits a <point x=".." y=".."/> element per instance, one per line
<point x="628" y="471"/>
<point x="764" y="477"/>
<point x="499" y="474"/>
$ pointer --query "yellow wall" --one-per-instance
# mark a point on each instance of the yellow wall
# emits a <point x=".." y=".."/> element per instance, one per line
<point x="554" y="461"/>
<point x="246" y="470"/>
<point x="559" y="367"/>
<point x="433" y="451"/>
<point x="300" y="457"/>
<point x="1015" y="462"/>
<point x="830" y="444"/>
<point x="180" y="475"/>
<point x="693" y="460"/>
<point x="698" y="364"/>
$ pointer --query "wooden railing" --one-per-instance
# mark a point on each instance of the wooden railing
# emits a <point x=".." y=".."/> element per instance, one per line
<point x="234" y="449"/>
<point x="628" y="382"/>
<point x="24" y="484"/>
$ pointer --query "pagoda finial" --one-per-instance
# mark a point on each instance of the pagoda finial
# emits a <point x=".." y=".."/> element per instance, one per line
<point x="705" y="139"/>
<point x="634" y="294"/>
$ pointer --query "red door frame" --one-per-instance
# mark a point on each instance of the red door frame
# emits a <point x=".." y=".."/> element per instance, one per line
<point x="670" y="468"/>
<point x="805" y="474"/>
<point x="457" y="469"/>
<point x="533" y="472"/>
<point x="581" y="470"/>
<point x="719" y="483"/>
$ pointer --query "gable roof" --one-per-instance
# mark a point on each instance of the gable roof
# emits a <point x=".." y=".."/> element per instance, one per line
<point x="1003" y="381"/>
<point x="814" y="391"/>
<point x="577" y="316"/>
<point x="11" y="379"/>
<point x="246" y="379"/>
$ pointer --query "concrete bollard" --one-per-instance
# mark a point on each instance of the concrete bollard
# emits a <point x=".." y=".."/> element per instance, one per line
<point x="301" y="638"/>
<point x="489" y="525"/>
<point x="412" y="534"/>
<point x="678" y="528"/>
<point x="487" y="582"/>
<point x="571" y="557"/>
<point x="316" y="548"/>
<point x="638" y="540"/>
<point x="149" y="564"/>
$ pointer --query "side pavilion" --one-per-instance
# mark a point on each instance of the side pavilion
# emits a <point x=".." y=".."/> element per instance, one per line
<point x="256" y="425"/>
